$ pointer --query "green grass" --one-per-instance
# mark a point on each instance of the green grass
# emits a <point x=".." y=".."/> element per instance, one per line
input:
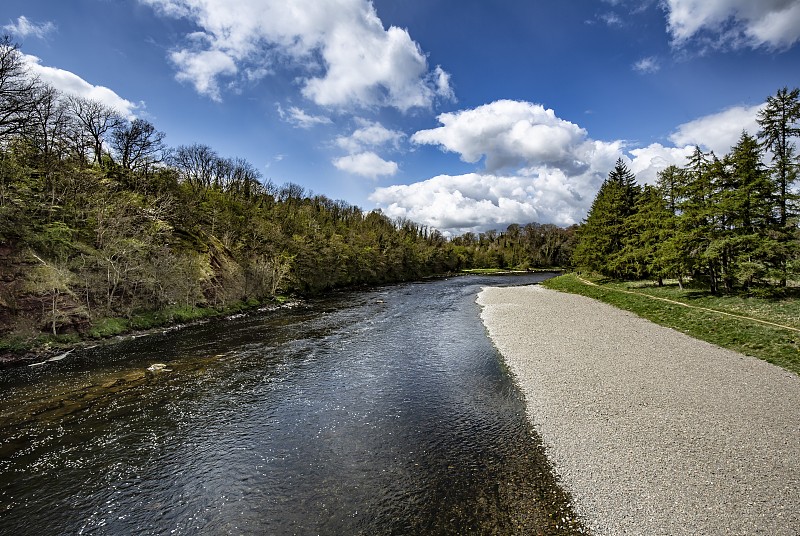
<point x="107" y="327"/>
<point x="773" y="344"/>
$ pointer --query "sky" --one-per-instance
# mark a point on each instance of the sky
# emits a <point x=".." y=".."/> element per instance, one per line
<point x="463" y="115"/>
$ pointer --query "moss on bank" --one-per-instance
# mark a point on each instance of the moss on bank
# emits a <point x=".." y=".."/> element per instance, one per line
<point x="17" y="348"/>
<point x="774" y="344"/>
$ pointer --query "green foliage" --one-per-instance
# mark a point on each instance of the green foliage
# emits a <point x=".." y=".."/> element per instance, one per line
<point x="729" y="224"/>
<point x="108" y="327"/>
<point x="601" y="238"/>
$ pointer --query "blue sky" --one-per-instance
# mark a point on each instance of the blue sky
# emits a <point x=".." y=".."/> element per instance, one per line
<point x="459" y="114"/>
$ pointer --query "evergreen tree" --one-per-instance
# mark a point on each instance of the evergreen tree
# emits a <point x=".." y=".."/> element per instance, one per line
<point x="671" y="259"/>
<point x="602" y="235"/>
<point x="670" y="183"/>
<point x="624" y="177"/>
<point x="746" y="201"/>
<point x="646" y="230"/>
<point x="780" y="123"/>
<point x="694" y="229"/>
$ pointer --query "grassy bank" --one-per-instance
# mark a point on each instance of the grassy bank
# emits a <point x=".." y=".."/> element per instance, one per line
<point x="775" y="344"/>
<point x="19" y="348"/>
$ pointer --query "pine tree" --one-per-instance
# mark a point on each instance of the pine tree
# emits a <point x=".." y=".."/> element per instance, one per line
<point x="646" y="230"/>
<point x="671" y="259"/>
<point x="746" y="200"/>
<point x="625" y="178"/>
<point x="694" y="229"/>
<point x="602" y="235"/>
<point x="780" y="123"/>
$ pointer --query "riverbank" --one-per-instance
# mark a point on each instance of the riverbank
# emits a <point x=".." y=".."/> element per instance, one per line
<point x="651" y="431"/>
<point x="16" y="351"/>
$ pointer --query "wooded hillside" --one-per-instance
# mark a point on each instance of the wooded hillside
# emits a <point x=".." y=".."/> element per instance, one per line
<point x="99" y="219"/>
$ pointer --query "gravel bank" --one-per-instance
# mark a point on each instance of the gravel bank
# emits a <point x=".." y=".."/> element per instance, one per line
<point x="653" y="432"/>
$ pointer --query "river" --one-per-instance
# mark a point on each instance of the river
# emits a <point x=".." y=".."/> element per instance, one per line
<point x="384" y="411"/>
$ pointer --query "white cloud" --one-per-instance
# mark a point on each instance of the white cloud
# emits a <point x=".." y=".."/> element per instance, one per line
<point x="647" y="65"/>
<point x="754" y="23"/>
<point x="718" y="132"/>
<point x="538" y="167"/>
<point x="369" y="134"/>
<point x="511" y="134"/>
<point x="366" y="164"/>
<point x="73" y="84"/>
<point x="348" y="57"/>
<point x="361" y="144"/>
<point x="477" y="202"/>
<point x="441" y="80"/>
<point x="611" y="19"/>
<point x="25" y="28"/>
<point x="648" y="161"/>
<point x="201" y="69"/>
<point x="302" y="119"/>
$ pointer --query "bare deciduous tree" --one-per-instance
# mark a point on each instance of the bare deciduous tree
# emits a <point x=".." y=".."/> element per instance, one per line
<point x="138" y="144"/>
<point x="96" y="119"/>
<point x="16" y="88"/>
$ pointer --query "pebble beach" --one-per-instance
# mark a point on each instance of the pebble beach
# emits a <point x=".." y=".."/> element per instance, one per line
<point x="652" y="432"/>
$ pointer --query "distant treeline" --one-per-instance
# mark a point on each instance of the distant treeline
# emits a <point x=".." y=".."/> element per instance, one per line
<point x="729" y="223"/>
<point x="99" y="218"/>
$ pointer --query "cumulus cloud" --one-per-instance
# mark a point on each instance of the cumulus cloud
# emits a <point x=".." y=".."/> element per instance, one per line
<point x="737" y="23"/>
<point x="648" y="161"/>
<point x="73" y="84"/>
<point x="302" y="119"/>
<point x="24" y="27"/>
<point x="537" y="167"/>
<point x="477" y="202"/>
<point x="441" y="81"/>
<point x="361" y="144"/>
<point x="347" y="56"/>
<point x="508" y="134"/>
<point x="718" y="132"/>
<point x="366" y="164"/>
<point x="369" y="134"/>
<point x="201" y="69"/>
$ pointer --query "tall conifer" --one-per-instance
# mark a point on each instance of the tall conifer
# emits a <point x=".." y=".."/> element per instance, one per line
<point x="780" y="125"/>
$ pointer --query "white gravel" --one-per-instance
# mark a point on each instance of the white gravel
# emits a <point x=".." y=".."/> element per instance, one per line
<point x="651" y="431"/>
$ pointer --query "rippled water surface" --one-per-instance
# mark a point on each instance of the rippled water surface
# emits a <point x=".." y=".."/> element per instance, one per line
<point x="375" y="412"/>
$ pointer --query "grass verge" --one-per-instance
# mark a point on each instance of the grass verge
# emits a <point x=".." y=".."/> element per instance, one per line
<point x="773" y="344"/>
<point x="13" y="349"/>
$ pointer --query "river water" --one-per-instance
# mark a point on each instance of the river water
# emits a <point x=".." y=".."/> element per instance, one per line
<point x="386" y="411"/>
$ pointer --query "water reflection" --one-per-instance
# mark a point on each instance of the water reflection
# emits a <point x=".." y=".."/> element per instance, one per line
<point x="376" y="412"/>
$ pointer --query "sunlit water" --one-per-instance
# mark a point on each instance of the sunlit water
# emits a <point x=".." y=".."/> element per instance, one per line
<point x="385" y="411"/>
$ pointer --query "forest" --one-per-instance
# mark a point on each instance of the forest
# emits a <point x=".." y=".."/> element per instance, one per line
<point x="726" y="224"/>
<point x="103" y="225"/>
